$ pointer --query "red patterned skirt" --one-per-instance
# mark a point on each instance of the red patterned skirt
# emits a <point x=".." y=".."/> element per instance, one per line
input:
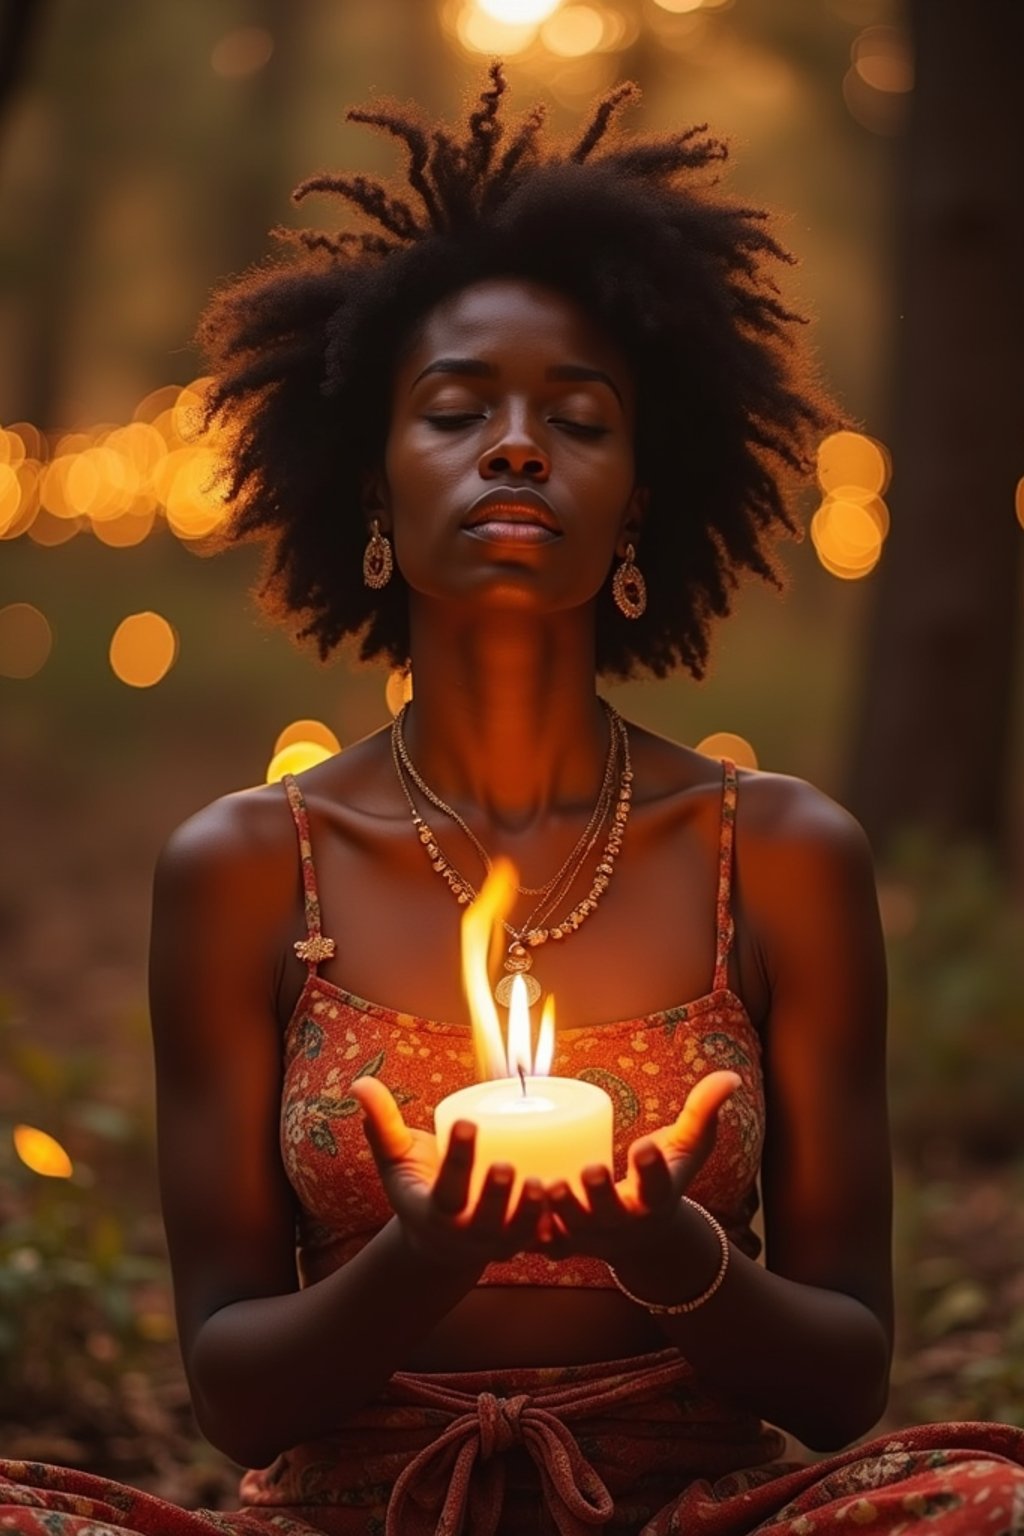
<point x="628" y="1448"/>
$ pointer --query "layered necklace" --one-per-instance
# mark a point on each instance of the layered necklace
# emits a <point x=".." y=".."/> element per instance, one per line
<point x="612" y="806"/>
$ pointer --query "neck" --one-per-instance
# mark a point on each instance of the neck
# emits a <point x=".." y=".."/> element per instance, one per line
<point x="505" y="717"/>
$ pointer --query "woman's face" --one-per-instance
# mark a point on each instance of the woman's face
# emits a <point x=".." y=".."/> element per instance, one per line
<point x="509" y="465"/>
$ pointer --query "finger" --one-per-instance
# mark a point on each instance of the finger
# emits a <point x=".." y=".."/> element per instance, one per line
<point x="567" y="1209"/>
<point x="524" y="1227"/>
<point x="451" y="1187"/>
<point x="489" y="1212"/>
<point x="601" y="1194"/>
<point x="386" y="1131"/>
<point x="697" y="1117"/>
<point x="652" y="1176"/>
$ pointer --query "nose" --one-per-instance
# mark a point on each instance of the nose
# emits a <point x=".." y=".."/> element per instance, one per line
<point x="516" y="452"/>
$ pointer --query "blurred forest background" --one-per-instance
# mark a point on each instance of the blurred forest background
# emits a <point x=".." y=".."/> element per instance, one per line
<point x="145" y="151"/>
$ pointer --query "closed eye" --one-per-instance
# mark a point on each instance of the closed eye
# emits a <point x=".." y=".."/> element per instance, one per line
<point x="449" y="422"/>
<point x="583" y="428"/>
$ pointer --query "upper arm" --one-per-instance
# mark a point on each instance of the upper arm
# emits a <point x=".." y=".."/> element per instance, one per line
<point x="220" y="903"/>
<point x="827" y="1173"/>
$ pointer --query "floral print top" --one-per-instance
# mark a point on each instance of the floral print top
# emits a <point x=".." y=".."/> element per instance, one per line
<point x="646" y="1065"/>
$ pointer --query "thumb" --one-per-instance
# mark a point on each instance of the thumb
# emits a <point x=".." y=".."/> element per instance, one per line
<point x="386" y="1131"/>
<point x="694" y="1129"/>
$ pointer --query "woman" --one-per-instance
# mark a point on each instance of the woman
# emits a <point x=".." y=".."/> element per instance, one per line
<point x="528" y="431"/>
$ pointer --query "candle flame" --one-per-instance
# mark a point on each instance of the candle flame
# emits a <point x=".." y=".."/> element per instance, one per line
<point x="42" y="1153"/>
<point x="545" y="1053"/>
<point x="480" y="918"/>
<point x="481" y="924"/>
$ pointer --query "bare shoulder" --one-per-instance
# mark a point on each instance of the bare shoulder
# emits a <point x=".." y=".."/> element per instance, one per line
<point x="807" y="875"/>
<point x="224" y="886"/>
<point x="782" y="813"/>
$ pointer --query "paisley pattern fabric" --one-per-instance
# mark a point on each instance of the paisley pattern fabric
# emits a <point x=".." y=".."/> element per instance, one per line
<point x="646" y="1065"/>
<point x="591" y="1449"/>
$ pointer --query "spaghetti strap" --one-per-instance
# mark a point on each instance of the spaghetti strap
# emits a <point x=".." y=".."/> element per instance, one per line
<point x="314" y="947"/>
<point x="724" y="926"/>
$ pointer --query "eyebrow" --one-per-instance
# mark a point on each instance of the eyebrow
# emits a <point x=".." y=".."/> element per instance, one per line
<point x="475" y="368"/>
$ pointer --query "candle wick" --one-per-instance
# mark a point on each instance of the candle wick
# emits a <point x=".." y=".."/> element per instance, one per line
<point x="522" y="1078"/>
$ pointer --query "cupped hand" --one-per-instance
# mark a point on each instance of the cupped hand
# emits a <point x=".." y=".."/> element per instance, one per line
<point x="638" y="1211"/>
<point x="430" y="1194"/>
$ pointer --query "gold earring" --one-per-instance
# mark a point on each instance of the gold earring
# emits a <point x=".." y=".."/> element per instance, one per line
<point x="628" y="587"/>
<point x="378" y="561"/>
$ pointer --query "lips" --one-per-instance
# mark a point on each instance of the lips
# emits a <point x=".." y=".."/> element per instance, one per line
<point x="508" y="504"/>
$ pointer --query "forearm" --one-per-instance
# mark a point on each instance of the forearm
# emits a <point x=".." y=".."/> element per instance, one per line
<point x="813" y="1361"/>
<point x="270" y="1372"/>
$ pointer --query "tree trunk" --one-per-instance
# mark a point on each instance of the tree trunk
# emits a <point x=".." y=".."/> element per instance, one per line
<point x="935" y="729"/>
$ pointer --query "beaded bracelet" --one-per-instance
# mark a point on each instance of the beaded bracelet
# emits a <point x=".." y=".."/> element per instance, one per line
<point x="698" y="1301"/>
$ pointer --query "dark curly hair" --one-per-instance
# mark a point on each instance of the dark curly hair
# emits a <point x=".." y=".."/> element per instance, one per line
<point x="303" y="348"/>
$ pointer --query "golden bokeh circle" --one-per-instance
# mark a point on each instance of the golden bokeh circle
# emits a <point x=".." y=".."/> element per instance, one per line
<point x="296" y="758"/>
<point x="307" y="730"/>
<point x="853" y="459"/>
<point x="398" y="689"/>
<point x="26" y="640"/>
<point x="728" y="744"/>
<point x="143" y="649"/>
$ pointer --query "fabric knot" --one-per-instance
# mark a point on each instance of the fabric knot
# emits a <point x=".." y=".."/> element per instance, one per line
<point x="500" y="1422"/>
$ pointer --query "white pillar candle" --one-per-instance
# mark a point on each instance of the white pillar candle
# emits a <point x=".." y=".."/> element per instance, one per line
<point x="547" y="1127"/>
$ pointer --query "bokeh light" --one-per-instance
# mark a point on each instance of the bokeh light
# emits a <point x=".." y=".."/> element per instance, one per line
<point x="518" y="12"/>
<point x="851" y="458"/>
<point x="42" y="1153"/>
<point x="49" y="530"/>
<point x="398" y="689"/>
<point x="882" y="58"/>
<point x="307" y="730"/>
<point x="728" y="744"/>
<point x="480" y="33"/>
<point x="26" y="640"/>
<point x="679" y="7"/>
<point x="848" y="534"/>
<point x="143" y="649"/>
<point x="1018" y="501"/>
<point x="296" y="758"/>
<point x="573" y="32"/>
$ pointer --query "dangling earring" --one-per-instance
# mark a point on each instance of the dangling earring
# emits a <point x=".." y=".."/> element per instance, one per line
<point x="378" y="561"/>
<point x="629" y="588"/>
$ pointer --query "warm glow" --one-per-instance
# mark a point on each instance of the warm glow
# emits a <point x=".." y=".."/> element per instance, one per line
<point x="571" y="33"/>
<point x="545" y="1053"/>
<point x="12" y="448"/>
<point x="296" y="758"/>
<point x="143" y="649"/>
<point x="42" y="1153"/>
<point x="728" y="744"/>
<point x="398" y="690"/>
<point x="851" y="458"/>
<point x="480" y="33"/>
<point x="882" y="58"/>
<point x="48" y="530"/>
<point x="26" y="640"/>
<point x="848" y="532"/>
<point x="125" y="531"/>
<point x="481" y="920"/>
<point x="241" y="53"/>
<point x="187" y="484"/>
<point x="308" y="731"/>
<point x="1018" y="501"/>
<point x="518" y="12"/>
<point x="679" y="7"/>
<point x="10" y="495"/>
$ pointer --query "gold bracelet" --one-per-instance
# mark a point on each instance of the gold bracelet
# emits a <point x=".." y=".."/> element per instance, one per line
<point x="698" y="1301"/>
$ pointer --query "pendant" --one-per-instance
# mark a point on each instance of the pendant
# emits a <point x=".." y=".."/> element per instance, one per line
<point x="503" y="991"/>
